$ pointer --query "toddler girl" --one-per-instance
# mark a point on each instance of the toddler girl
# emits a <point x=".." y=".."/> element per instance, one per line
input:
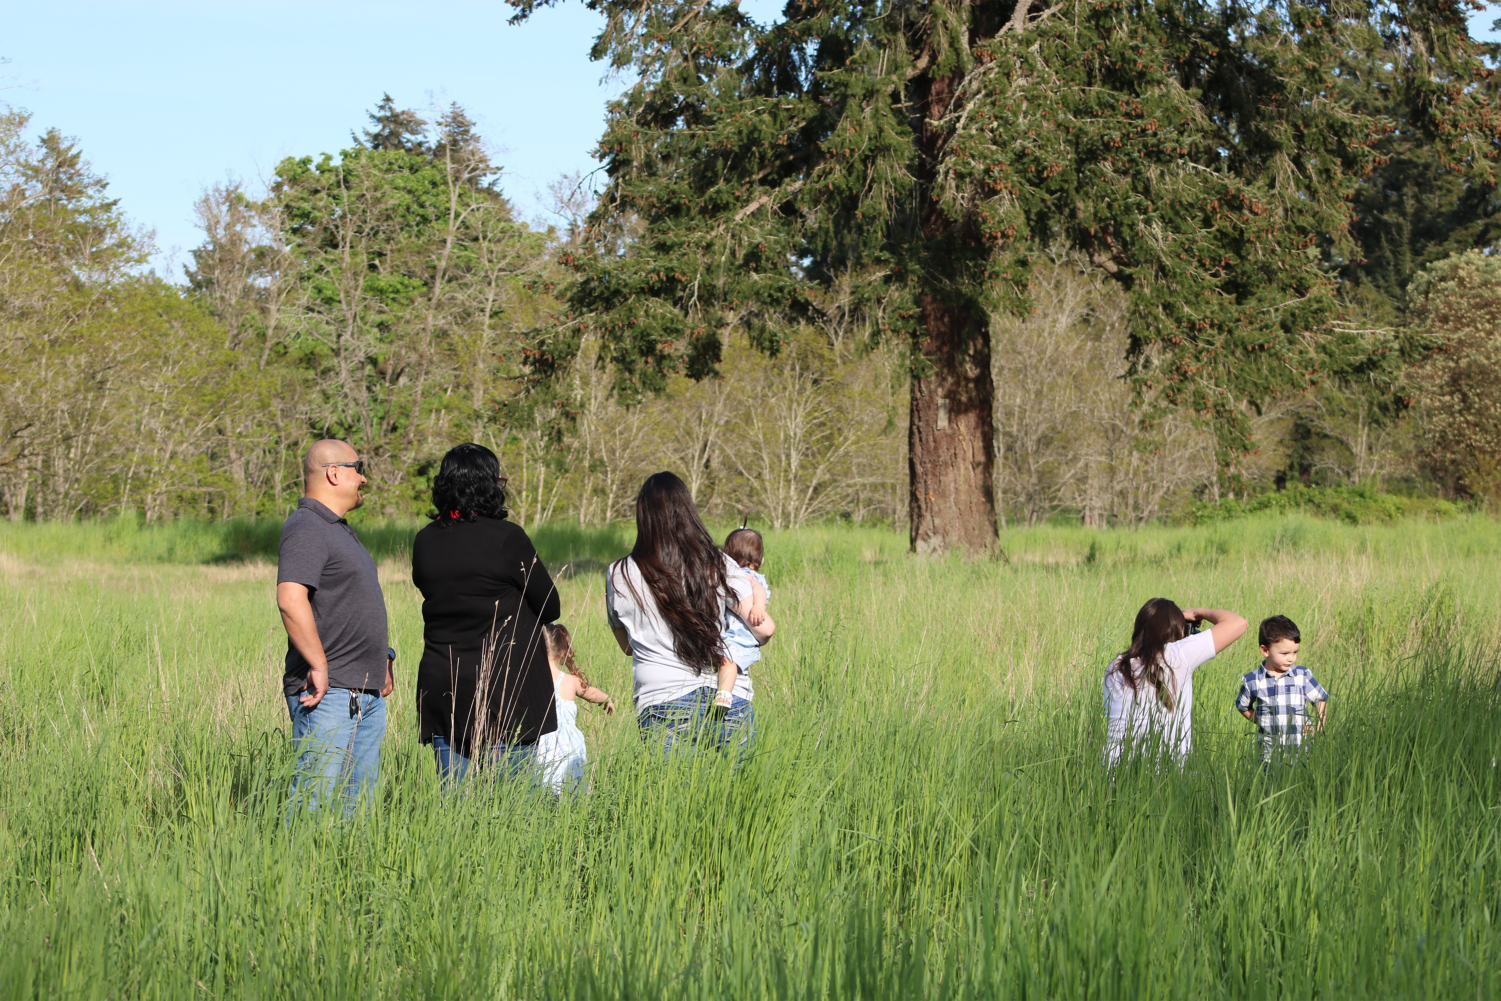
<point x="561" y="754"/>
<point x="743" y="636"/>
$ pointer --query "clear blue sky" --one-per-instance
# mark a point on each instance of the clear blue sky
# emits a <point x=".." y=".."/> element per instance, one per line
<point x="167" y="97"/>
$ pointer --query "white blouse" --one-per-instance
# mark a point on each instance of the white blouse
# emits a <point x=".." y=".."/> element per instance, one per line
<point x="658" y="674"/>
<point x="1137" y="719"/>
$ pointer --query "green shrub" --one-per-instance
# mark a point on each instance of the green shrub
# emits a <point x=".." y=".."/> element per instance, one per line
<point x="1352" y="505"/>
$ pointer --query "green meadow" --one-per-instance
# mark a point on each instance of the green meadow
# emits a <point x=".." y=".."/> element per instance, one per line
<point x="925" y="813"/>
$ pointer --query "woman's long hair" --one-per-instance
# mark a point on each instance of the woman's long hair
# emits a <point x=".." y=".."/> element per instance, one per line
<point x="468" y="485"/>
<point x="1159" y="623"/>
<point x="683" y="569"/>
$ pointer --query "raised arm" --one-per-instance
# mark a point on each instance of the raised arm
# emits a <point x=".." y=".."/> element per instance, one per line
<point x="1226" y="627"/>
<point x="573" y="686"/>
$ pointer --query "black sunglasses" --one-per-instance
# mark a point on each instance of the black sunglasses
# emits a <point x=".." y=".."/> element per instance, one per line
<point x="357" y="465"/>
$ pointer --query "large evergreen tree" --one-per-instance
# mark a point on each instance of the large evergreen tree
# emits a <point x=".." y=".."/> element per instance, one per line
<point x="1199" y="153"/>
<point x="1417" y="206"/>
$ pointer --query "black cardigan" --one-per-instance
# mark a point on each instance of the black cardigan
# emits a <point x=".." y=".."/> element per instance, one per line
<point x="482" y="580"/>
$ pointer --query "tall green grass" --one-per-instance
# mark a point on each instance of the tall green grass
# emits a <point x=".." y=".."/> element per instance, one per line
<point x="925" y="814"/>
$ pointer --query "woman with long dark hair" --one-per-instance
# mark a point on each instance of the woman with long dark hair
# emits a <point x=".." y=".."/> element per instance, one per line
<point x="666" y="603"/>
<point x="484" y="687"/>
<point x="1149" y="692"/>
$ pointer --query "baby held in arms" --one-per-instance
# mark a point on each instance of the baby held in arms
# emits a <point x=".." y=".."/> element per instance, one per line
<point x="744" y="546"/>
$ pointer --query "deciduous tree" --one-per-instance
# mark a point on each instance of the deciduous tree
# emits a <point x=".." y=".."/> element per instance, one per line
<point x="1457" y="303"/>
<point x="413" y="272"/>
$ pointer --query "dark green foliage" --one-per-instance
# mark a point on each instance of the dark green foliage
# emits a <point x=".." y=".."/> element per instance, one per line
<point x="1456" y="305"/>
<point x="394" y="129"/>
<point x="1205" y="155"/>
<point x="1418" y="204"/>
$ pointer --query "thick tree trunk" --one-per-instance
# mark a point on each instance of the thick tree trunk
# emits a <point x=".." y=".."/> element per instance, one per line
<point x="951" y="435"/>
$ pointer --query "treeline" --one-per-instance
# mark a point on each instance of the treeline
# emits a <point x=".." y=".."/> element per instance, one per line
<point x="388" y="295"/>
<point x="1071" y="437"/>
<point x="391" y="295"/>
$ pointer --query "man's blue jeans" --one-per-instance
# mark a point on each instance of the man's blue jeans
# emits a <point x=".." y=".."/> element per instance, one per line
<point x="503" y="762"/>
<point x="340" y="751"/>
<point x="688" y="721"/>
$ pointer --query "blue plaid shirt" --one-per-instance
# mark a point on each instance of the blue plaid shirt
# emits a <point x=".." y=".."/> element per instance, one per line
<point x="1280" y="704"/>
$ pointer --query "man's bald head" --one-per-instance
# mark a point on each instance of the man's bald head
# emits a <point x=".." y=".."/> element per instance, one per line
<point x="325" y="480"/>
<point x="320" y="453"/>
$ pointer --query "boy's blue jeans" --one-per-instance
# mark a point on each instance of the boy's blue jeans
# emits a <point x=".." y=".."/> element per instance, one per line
<point x="685" y="722"/>
<point x="340" y="751"/>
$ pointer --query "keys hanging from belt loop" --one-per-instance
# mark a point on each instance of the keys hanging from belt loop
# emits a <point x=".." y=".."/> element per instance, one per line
<point x="354" y="705"/>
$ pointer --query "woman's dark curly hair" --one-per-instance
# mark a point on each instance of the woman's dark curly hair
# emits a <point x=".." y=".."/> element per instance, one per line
<point x="468" y="485"/>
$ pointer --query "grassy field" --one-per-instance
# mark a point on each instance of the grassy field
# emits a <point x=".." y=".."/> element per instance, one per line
<point x="925" y="814"/>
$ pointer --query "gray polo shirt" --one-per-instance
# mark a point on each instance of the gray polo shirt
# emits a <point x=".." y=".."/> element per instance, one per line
<point x="319" y="549"/>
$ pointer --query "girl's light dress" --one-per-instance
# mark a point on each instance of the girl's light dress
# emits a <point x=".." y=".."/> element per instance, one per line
<point x="561" y="754"/>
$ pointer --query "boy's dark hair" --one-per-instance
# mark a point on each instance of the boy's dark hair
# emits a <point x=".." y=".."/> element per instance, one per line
<point x="743" y="545"/>
<point x="1278" y="627"/>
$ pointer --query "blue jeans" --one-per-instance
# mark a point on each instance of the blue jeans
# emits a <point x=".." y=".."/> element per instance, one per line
<point x="340" y="751"/>
<point x="503" y="762"/>
<point x="685" y="722"/>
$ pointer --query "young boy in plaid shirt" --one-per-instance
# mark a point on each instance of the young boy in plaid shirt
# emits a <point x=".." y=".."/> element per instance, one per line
<point x="1275" y="696"/>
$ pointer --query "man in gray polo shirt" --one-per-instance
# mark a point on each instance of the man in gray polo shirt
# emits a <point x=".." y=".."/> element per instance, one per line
<point x="338" y="667"/>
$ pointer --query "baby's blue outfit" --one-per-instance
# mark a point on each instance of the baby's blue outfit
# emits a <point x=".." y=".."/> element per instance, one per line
<point x="743" y="647"/>
<point x="561" y="754"/>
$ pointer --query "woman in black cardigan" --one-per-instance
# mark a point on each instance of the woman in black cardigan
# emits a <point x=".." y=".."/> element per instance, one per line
<point x="483" y="685"/>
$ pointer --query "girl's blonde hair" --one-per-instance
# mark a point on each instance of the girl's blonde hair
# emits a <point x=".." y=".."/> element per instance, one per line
<point x="560" y="650"/>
